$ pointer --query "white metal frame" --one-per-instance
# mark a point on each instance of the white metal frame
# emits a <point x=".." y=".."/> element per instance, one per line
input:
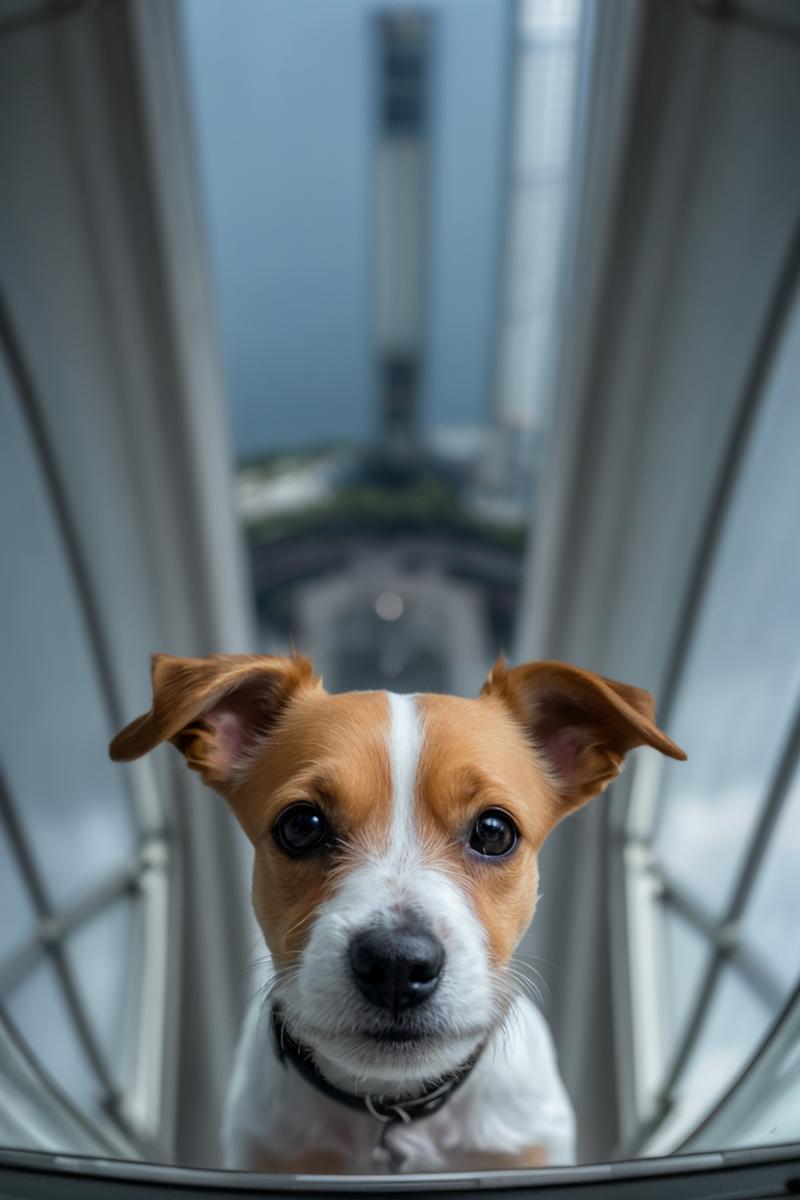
<point x="105" y="194"/>
<point x="645" y="411"/>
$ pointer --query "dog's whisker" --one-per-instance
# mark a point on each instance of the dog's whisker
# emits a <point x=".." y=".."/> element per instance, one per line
<point x="523" y="967"/>
<point x="304" y="920"/>
<point x="530" y="959"/>
<point x="527" y="986"/>
<point x="522" y="983"/>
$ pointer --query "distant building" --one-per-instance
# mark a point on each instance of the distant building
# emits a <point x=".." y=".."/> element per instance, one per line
<point x="402" y="218"/>
<point x="292" y="120"/>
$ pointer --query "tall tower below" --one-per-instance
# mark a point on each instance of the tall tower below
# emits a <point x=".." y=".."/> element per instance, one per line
<point x="403" y="52"/>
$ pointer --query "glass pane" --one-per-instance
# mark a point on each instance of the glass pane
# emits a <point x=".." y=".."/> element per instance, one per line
<point x="100" y="954"/>
<point x="685" y="957"/>
<point x="772" y="918"/>
<point x="415" y="436"/>
<point x="779" y="1118"/>
<point x="549" y="89"/>
<point x="767" y="1109"/>
<point x="549" y="18"/>
<point x="38" y="1011"/>
<point x="735" y="1024"/>
<point x="18" y="914"/>
<point x="742" y="682"/>
<point x="53" y="728"/>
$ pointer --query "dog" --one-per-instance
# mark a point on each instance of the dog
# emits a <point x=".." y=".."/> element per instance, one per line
<point x="396" y="842"/>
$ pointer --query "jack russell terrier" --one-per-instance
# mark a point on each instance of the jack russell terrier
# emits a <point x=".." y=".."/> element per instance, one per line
<point x="396" y="842"/>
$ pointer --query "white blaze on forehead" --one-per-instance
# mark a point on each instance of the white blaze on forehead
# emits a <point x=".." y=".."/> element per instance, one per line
<point x="383" y="886"/>
<point x="405" y="743"/>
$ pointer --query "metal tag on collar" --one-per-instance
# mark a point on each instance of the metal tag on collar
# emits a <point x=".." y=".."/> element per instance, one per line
<point x="396" y="1113"/>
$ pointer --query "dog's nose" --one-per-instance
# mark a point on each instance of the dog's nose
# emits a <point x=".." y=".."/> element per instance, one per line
<point x="396" y="968"/>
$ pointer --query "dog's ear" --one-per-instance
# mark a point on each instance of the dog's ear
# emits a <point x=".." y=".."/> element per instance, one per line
<point x="214" y="709"/>
<point x="581" y="724"/>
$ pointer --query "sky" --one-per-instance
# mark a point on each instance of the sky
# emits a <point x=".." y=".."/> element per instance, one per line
<point x="283" y="102"/>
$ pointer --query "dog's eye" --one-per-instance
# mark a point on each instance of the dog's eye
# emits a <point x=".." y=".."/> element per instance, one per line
<point x="493" y="833"/>
<point x="301" y="829"/>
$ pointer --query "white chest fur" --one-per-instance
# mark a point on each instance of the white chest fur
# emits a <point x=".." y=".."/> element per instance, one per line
<point x="513" y="1100"/>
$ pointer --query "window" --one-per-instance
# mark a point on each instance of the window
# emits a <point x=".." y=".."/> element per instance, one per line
<point x="386" y="496"/>
<point x="712" y="846"/>
<point x="82" y="856"/>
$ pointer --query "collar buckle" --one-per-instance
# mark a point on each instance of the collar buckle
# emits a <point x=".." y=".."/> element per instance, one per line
<point x="397" y="1111"/>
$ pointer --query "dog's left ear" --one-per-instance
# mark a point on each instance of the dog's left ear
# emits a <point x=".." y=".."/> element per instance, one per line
<point x="215" y="709"/>
<point x="582" y="724"/>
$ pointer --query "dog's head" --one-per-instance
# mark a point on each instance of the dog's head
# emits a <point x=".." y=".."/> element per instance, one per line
<point x="396" y="837"/>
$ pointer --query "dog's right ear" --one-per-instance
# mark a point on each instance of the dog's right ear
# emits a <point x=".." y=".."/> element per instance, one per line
<point x="581" y="724"/>
<point x="214" y="709"/>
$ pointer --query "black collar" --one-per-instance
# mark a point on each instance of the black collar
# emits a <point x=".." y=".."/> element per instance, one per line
<point x="434" y="1094"/>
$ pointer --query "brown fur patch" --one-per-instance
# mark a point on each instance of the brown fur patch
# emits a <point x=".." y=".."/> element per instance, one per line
<point x="332" y="751"/>
<point x="193" y="699"/>
<point x="582" y="723"/>
<point x="474" y="757"/>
